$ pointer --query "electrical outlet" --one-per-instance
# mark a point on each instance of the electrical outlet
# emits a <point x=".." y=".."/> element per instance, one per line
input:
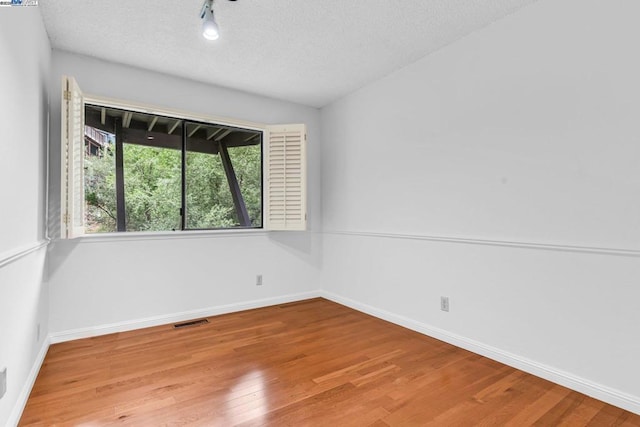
<point x="259" y="280"/>
<point x="3" y="382"/>
<point x="444" y="303"/>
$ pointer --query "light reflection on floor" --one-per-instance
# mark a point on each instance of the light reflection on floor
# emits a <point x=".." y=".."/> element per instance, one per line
<point x="248" y="398"/>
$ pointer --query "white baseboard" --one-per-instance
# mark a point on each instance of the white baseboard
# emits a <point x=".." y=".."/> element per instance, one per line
<point x="18" y="408"/>
<point x="130" y="325"/>
<point x="598" y="391"/>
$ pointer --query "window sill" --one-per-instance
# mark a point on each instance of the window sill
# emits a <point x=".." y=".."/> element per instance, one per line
<point x="166" y="235"/>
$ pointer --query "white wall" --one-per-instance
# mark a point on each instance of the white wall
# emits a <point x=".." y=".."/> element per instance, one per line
<point x="525" y="131"/>
<point x="98" y="284"/>
<point x="25" y="56"/>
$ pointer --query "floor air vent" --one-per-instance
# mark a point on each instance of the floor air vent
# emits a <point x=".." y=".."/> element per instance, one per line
<point x="190" y="323"/>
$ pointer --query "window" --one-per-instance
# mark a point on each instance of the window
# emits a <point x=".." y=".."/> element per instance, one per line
<point x="125" y="170"/>
<point x="133" y="173"/>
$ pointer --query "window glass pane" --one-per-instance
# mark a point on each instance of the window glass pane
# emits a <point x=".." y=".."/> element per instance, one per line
<point x="151" y="188"/>
<point x="99" y="181"/>
<point x="223" y="177"/>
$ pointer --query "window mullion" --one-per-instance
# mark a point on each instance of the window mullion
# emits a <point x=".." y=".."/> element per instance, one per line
<point x="183" y="177"/>
<point x="120" y="202"/>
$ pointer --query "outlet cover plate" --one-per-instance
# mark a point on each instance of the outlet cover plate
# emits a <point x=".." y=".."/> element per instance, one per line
<point x="444" y="303"/>
<point x="3" y="382"/>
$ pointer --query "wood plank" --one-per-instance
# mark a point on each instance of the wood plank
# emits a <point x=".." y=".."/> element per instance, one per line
<point x="306" y="363"/>
<point x="154" y="120"/>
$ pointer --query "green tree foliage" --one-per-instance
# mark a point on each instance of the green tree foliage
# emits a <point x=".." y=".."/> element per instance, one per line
<point x="151" y="188"/>
<point x="247" y="165"/>
<point x="100" y="192"/>
<point x="209" y="203"/>
<point x="152" y="179"/>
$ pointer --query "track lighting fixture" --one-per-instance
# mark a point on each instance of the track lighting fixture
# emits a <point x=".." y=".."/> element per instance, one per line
<point x="210" y="30"/>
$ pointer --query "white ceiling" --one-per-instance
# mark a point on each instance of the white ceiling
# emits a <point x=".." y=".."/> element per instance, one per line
<point x="309" y="52"/>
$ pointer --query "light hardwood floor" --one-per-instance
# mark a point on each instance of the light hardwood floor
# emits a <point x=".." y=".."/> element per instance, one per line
<point x="311" y="363"/>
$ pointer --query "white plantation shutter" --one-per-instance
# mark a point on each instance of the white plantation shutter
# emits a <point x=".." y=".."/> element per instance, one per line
<point x="286" y="178"/>
<point x="72" y="203"/>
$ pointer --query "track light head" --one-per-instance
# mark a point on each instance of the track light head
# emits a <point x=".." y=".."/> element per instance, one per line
<point x="210" y="30"/>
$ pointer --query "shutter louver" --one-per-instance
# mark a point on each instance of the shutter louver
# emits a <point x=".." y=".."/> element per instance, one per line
<point x="286" y="204"/>
<point x="72" y="203"/>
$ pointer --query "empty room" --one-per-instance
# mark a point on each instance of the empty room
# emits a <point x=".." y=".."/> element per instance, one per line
<point x="317" y="213"/>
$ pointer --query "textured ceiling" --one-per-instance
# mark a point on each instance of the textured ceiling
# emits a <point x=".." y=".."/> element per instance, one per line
<point x="309" y="52"/>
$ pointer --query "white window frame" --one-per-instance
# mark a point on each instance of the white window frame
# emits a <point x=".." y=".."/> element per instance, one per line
<point x="72" y="173"/>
